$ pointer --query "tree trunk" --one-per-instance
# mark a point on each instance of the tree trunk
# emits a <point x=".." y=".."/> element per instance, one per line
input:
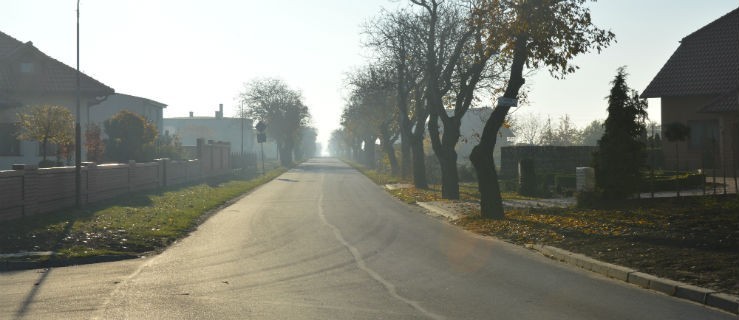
<point x="445" y="153"/>
<point x="286" y="157"/>
<point x="405" y="155"/>
<point x="449" y="175"/>
<point x="43" y="150"/>
<point x="369" y="152"/>
<point x="419" y="165"/>
<point x="388" y="148"/>
<point x="491" y="204"/>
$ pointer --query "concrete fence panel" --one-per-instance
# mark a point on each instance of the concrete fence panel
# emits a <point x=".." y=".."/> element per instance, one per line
<point x="27" y="190"/>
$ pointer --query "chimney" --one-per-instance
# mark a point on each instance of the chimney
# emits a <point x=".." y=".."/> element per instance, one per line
<point x="220" y="111"/>
<point x="191" y="114"/>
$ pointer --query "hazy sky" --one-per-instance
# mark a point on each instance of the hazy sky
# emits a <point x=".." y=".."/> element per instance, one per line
<point x="193" y="55"/>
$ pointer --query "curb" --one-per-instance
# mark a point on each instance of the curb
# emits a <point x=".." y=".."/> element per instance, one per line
<point x="11" y="265"/>
<point x="437" y="211"/>
<point x="708" y="297"/>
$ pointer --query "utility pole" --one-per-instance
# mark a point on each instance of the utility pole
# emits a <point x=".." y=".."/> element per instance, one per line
<point x="77" y="129"/>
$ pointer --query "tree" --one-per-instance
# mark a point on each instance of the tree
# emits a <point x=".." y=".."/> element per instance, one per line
<point x="94" y="143"/>
<point x="528" y="128"/>
<point x="307" y="148"/>
<point x="532" y="34"/>
<point x="621" y="152"/>
<point x="46" y="124"/>
<point x="282" y="108"/>
<point x="676" y="132"/>
<point x="371" y="112"/>
<point x="130" y="137"/>
<point x="592" y="133"/>
<point x="396" y="37"/>
<point x="457" y="62"/>
<point x="169" y="146"/>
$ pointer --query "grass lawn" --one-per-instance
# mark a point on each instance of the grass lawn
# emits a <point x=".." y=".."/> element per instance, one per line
<point x="694" y="240"/>
<point x="126" y="226"/>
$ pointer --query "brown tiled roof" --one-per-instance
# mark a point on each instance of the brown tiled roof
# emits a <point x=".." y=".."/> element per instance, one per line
<point x="727" y="102"/>
<point x="705" y="63"/>
<point x="51" y="76"/>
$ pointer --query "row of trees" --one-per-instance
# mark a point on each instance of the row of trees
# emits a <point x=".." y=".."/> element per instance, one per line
<point x="285" y="114"/>
<point x="534" y="129"/>
<point x="434" y="59"/>
<point x="130" y="136"/>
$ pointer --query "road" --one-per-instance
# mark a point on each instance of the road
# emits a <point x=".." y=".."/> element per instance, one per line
<point x="324" y="242"/>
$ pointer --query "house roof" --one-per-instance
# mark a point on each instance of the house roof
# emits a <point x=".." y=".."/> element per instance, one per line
<point x="728" y="102"/>
<point x="50" y="76"/>
<point x="139" y="100"/>
<point x="705" y="63"/>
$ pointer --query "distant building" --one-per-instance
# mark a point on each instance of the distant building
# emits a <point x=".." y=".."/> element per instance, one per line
<point x="149" y="109"/>
<point x="217" y="128"/>
<point x="28" y="77"/>
<point x="699" y="87"/>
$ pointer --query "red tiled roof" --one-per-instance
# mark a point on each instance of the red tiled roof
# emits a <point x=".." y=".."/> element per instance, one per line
<point x="705" y="63"/>
<point x="50" y="76"/>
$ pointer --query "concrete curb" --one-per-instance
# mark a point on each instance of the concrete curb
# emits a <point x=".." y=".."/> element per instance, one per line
<point x="437" y="211"/>
<point x="725" y="302"/>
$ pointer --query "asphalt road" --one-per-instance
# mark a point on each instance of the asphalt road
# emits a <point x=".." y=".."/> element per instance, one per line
<point x="324" y="242"/>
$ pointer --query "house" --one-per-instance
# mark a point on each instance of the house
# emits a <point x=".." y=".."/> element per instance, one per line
<point x="699" y="87"/>
<point x="149" y="109"/>
<point x="218" y="128"/>
<point x="28" y="77"/>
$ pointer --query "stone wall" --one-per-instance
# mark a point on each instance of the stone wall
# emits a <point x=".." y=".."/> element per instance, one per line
<point x="547" y="159"/>
<point x="27" y="190"/>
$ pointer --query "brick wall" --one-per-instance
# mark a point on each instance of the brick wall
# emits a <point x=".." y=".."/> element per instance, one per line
<point x="547" y="159"/>
<point x="27" y="190"/>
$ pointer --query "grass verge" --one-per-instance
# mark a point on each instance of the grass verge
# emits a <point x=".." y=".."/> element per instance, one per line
<point x="690" y="239"/>
<point x="127" y="226"/>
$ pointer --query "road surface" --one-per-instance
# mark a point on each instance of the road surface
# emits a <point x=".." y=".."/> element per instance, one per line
<point x="324" y="242"/>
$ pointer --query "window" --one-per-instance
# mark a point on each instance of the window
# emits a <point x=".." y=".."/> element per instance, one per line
<point x="27" y="67"/>
<point x="703" y="134"/>
<point x="9" y="143"/>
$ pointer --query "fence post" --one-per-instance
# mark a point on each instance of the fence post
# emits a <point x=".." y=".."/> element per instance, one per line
<point x="163" y="173"/>
<point x="30" y="188"/>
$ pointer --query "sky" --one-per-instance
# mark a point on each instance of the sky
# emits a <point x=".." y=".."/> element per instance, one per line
<point x="195" y="55"/>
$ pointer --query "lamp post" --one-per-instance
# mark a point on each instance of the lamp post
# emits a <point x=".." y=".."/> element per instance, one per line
<point x="77" y="129"/>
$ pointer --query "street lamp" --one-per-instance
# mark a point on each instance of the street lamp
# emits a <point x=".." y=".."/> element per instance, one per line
<point x="77" y="130"/>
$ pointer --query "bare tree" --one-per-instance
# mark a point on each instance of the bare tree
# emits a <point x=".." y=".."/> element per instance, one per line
<point x="528" y="128"/>
<point x="272" y="101"/>
<point x="457" y="60"/>
<point x="396" y="40"/>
